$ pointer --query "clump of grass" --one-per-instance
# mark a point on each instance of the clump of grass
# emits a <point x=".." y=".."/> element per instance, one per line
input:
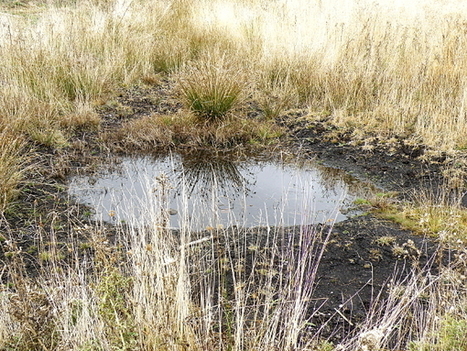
<point x="386" y="240"/>
<point x="211" y="87"/>
<point x="438" y="215"/>
<point x="112" y="291"/>
<point x="82" y="118"/>
<point x="451" y="335"/>
<point x="447" y="222"/>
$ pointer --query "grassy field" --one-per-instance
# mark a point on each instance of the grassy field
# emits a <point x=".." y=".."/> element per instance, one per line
<point x="377" y="70"/>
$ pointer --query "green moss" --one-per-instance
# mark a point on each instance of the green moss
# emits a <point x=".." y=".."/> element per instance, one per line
<point x="361" y="202"/>
<point x="33" y="249"/>
<point x="451" y="336"/>
<point x="49" y="256"/>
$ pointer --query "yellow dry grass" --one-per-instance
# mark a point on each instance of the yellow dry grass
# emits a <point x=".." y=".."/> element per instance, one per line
<point x="160" y="132"/>
<point x="381" y="67"/>
<point x="11" y="167"/>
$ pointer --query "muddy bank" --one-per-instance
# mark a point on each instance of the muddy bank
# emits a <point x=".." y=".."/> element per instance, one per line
<point x="364" y="258"/>
<point x="394" y="166"/>
<point x="358" y="261"/>
<point x="367" y="254"/>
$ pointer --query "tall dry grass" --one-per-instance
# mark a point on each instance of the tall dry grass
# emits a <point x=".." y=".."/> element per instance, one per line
<point x="152" y="288"/>
<point x="422" y="312"/>
<point x="379" y="67"/>
<point x="147" y="287"/>
<point x="12" y="163"/>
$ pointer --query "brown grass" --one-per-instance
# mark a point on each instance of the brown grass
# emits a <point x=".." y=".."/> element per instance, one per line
<point x="184" y="129"/>
<point x="369" y="72"/>
<point x="152" y="288"/>
<point x="12" y="162"/>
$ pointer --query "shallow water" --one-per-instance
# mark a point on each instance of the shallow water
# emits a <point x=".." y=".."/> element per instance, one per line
<point x="205" y="191"/>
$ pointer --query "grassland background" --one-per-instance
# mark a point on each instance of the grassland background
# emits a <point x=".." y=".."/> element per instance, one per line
<point x="387" y="69"/>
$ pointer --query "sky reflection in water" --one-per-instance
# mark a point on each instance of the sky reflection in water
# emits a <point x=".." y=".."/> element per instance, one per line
<point x="210" y="191"/>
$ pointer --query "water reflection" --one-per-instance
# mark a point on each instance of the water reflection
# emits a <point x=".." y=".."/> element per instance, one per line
<point x="208" y="190"/>
<point x="201" y="172"/>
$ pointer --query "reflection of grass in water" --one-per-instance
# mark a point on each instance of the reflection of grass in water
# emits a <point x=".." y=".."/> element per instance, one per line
<point x="201" y="173"/>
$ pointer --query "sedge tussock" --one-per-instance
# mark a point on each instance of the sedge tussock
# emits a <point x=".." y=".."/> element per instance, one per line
<point x="210" y="89"/>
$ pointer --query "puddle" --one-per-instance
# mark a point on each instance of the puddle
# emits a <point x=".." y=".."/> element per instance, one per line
<point x="203" y="192"/>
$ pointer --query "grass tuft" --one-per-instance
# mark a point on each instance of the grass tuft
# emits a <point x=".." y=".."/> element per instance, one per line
<point x="210" y="88"/>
